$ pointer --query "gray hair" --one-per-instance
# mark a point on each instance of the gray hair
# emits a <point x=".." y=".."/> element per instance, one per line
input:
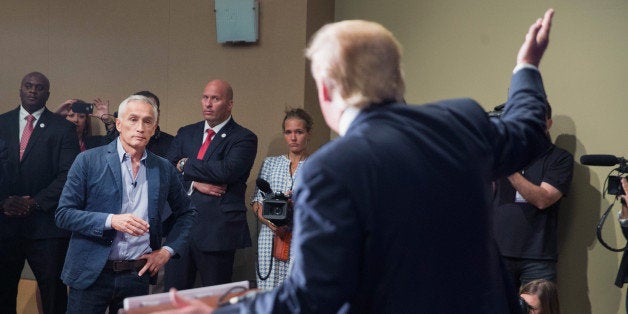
<point x="124" y="103"/>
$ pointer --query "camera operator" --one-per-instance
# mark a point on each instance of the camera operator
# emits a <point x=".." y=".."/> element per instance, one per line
<point x="526" y="212"/>
<point x="622" y="274"/>
<point x="280" y="172"/>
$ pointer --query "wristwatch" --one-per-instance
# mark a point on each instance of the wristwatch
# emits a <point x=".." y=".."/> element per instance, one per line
<point x="181" y="164"/>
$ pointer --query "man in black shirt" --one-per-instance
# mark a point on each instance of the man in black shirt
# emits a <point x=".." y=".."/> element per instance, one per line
<point x="526" y="211"/>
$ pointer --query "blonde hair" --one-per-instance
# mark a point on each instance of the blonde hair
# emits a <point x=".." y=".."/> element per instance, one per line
<point x="359" y="60"/>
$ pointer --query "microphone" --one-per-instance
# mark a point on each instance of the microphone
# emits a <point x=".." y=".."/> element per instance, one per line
<point x="264" y="186"/>
<point x="134" y="184"/>
<point x="601" y="160"/>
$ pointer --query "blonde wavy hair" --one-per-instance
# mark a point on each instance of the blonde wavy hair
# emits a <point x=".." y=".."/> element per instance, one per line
<point x="360" y="60"/>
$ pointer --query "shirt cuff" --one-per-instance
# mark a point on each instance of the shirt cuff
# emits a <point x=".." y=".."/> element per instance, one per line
<point x="191" y="189"/>
<point x="108" y="222"/>
<point x="169" y="249"/>
<point x="623" y="222"/>
<point x="522" y="66"/>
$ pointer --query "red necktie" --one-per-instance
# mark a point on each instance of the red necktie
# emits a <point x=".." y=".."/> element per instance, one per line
<point x="208" y="140"/>
<point x="26" y="134"/>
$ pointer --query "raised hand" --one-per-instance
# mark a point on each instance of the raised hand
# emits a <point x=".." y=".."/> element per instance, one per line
<point x="64" y="108"/>
<point x="536" y="40"/>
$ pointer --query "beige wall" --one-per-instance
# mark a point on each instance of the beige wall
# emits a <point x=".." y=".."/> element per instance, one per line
<point x="468" y="48"/>
<point x="111" y="49"/>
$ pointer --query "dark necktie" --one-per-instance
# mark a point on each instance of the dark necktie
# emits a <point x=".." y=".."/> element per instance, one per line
<point x="208" y="140"/>
<point x="26" y="134"/>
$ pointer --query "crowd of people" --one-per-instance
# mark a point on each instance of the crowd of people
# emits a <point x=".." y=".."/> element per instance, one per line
<point x="109" y="215"/>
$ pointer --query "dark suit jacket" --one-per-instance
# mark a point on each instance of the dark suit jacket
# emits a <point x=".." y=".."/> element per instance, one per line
<point x="221" y="223"/>
<point x="4" y="169"/>
<point x="94" y="190"/>
<point x="393" y="217"/>
<point x="159" y="143"/>
<point x="41" y="173"/>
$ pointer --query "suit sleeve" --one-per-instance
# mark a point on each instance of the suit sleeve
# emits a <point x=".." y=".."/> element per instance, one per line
<point x="4" y="169"/>
<point x="175" y="151"/>
<point x="236" y="163"/>
<point x="520" y="134"/>
<point x="48" y="197"/>
<point x="71" y="214"/>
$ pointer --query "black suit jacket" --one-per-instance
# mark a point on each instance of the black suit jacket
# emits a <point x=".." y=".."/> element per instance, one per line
<point x="4" y="169"/>
<point x="40" y="174"/>
<point x="221" y="221"/>
<point x="393" y="217"/>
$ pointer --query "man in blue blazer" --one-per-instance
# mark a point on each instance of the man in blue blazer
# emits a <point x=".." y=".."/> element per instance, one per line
<point x="393" y="216"/>
<point x="215" y="157"/>
<point x="37" y="170"/>
<point x="113" y="203"/>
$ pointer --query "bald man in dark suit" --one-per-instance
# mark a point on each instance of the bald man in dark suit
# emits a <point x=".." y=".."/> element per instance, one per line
<point x="215" y="157"/>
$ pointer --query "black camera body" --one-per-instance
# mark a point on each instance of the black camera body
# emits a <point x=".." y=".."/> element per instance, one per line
<point x="613" y="183"/>
<point x="83" y="107"/>
<point x="614" y="186"/>
<point x="277" y="209"/>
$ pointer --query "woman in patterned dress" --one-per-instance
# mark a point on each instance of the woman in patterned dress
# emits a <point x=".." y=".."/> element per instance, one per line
<point x="280" y="172"/>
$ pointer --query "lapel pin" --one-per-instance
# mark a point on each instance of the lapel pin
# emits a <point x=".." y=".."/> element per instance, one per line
<point x="41" y="125"/>
<point x="223" y="135"/>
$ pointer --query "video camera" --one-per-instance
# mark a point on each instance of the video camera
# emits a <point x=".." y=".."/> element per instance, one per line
<point x="612" y="186"/>
<point x="276" y="206"/>
<point x="613" y="182"/>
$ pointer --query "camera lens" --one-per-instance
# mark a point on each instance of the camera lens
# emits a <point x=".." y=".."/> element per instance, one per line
<point x="277" y="210"/>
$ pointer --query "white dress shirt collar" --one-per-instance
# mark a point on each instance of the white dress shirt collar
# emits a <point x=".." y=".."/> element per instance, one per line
<point x="216" y="128"/>
<point x="346" y="118"/>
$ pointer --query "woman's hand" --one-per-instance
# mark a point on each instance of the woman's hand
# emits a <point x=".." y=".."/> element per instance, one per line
<point x="624" y="199"/>
<point x="64" y="108"/>
<point x="101" y="108"/>
<point x="257" y="209"/>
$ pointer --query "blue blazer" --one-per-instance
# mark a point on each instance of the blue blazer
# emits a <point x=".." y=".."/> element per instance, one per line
<point x="393" y="217"/>
<point x="93" y="190"/>
<point x="41" y="173"/>
<point x="221" y="223"/>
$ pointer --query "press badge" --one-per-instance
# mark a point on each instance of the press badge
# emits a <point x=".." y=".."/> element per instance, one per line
<point x="519" y="198"/>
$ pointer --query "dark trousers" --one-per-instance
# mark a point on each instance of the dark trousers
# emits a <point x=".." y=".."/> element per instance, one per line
<point x="45" y="257"/>
<point x="214" y="268"/>
<point x="108" y="291"/>
<point x="524" y="270"/>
